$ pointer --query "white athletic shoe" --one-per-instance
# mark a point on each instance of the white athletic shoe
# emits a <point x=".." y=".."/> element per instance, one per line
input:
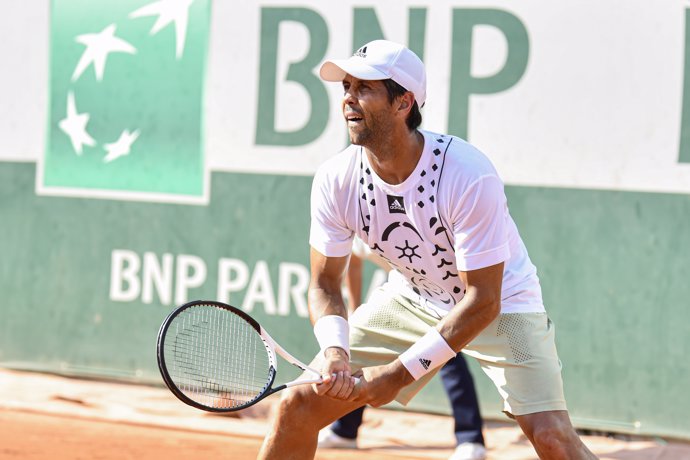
<point x="469" y="451"/>
<point x="330" y="440"/>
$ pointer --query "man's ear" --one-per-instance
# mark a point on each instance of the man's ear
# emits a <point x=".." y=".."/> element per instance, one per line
<point x="406" y="102"/>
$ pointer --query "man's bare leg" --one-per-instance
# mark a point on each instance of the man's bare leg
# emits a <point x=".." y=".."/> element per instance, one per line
<point x="300" y="415"/>
<point x="553" y="436"/>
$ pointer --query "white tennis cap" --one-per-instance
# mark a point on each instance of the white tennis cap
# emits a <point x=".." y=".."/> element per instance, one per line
<point x="380" y="60"/>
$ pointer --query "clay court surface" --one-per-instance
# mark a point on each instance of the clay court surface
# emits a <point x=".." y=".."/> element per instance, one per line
<point x="52" y="417"/>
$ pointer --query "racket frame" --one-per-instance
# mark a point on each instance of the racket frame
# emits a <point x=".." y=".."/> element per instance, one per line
<point x="271" y="347"/>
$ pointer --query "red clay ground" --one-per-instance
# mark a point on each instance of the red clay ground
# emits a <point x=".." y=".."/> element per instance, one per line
<point x="35" y="436"/>
<point x="51" y="417"/>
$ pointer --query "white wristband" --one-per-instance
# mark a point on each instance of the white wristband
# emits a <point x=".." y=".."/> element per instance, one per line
<point x="428" y="353"/>
<point x="333" y="331"/>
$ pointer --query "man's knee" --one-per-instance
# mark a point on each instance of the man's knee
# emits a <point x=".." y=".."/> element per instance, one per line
<point x="296" y="408"/>
<point x="550" y="433"/>
<point x="294" y="401"/>
<point x="553" y="438"/>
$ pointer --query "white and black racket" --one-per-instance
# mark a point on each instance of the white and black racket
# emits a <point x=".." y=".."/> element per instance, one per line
<point x="217" y="358"/>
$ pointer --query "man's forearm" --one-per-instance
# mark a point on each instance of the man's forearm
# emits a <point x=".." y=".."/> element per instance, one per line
<point x="480" y="305"/>
<point x="353" y="281"/>
<point x="324" y="302"/>
<point x="467" y="319"/>
<point x="329" y="317"/>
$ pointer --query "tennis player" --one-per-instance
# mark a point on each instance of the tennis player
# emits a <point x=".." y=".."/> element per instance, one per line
<point x="434" y="207"/>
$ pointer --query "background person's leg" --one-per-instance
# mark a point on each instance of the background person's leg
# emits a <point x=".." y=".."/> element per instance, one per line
<point x="348" y="425"/>
<point x="342" y="434"/>
<point x="459" y="385"/>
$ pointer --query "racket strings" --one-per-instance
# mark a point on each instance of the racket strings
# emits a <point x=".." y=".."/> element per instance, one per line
<point x="216" y="358"/>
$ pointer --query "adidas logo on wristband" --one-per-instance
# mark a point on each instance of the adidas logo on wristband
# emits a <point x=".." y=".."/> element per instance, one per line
<point x="427" y="353"/>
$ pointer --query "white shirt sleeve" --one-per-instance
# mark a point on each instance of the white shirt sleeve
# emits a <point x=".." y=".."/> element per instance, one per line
<point x="480" y="225"/>
<point x="328" y="232"/>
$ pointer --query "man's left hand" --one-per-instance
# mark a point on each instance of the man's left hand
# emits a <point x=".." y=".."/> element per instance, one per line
<point x="380" y="385"/>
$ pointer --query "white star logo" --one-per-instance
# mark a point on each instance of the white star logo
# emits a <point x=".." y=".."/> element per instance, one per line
<point x="98" y="46"/>
<point x="74" y="125"/>
<point x="168" y="11"/>
<point x="120" y="147"/>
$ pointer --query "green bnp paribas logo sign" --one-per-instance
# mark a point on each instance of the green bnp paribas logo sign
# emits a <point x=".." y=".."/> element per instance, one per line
<point x="125" y="115"/>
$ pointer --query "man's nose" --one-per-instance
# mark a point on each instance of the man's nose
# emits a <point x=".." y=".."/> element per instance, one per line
<point x="349" y="98"/>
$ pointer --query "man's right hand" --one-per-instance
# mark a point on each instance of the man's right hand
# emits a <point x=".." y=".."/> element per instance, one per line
<point x="337" y="380"/>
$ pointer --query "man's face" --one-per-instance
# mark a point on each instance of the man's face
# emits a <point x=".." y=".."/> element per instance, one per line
<point x="368" y="113"/>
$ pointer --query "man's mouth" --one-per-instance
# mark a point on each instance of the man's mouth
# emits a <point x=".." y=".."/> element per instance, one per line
<point x="353" y="117"/>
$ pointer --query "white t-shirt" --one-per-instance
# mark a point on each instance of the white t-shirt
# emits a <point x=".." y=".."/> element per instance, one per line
<point x="361" y="250"/>
<point x="449" y="215"/>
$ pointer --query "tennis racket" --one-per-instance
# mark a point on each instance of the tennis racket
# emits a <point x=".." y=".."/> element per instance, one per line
<point x="217" y="358"/>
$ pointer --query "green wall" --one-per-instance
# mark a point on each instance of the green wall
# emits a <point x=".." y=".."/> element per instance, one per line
<point x="613" y="265"/>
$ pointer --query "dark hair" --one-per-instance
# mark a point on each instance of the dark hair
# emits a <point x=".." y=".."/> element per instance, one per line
<point x="414" y="118"/>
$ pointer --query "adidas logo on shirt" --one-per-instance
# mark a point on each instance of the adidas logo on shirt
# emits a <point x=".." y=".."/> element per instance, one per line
<point x="425" y="363"/>
<point x="396" y="204"/>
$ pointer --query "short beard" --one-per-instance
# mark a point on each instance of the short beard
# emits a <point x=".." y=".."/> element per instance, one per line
<point x="361" y="137"/>
<point x="372" y="134"/>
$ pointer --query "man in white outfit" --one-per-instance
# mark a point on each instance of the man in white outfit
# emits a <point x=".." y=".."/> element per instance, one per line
<point x="433" y="206"/>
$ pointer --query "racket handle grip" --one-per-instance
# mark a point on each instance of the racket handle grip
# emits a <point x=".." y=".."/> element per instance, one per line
<point x="356" y="379"/>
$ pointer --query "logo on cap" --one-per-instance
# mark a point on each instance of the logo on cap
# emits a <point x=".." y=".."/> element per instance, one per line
<point x="362" y="52"/>
<point x="396" y="204"/>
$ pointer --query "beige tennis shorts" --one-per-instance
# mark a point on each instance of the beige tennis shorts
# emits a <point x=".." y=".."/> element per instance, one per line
<point x="517" y="350"/>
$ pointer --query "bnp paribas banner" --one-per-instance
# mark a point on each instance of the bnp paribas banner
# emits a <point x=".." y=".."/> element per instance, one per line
<point x="587" y="95"/>
<point x="126" y="87"/>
